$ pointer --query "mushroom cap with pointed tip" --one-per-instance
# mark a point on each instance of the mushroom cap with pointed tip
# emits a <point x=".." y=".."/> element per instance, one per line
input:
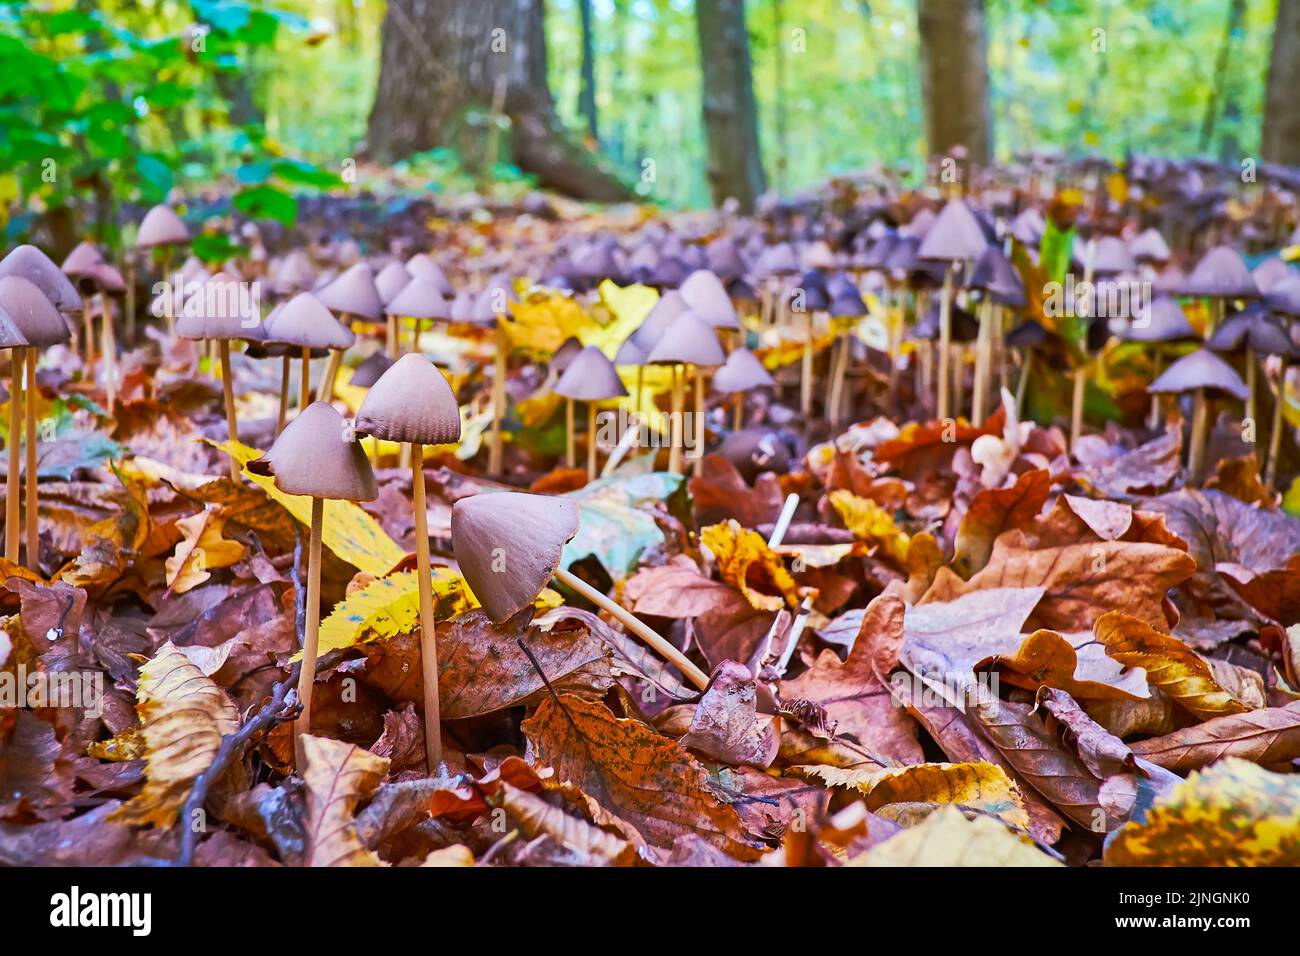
<point x="847" y="304"/>
<point x="11" y="336"/>
<point x="421" y="265"/>
<point x="1149" y="246"/>
<point x="419" y="299"/>
<point x="411" y="402"/>
<point x="392" y="279"/>
<point x="964" y="326"/>
<point x="317" y="455"/>
<point x="690" y="341"/>
<point x="1027" y="334"/>
<point x="780" y="259"/>
<point x="724" y="258"/>
<point x="706" y="296"/>
<point x="955" y="236"/>
<point x="741" y="372"/>
<point x="161" y="227"/>
<point x="1160" y="320"/>
<point x="1221" y="274"/>
<point x="508" y="545"/>
<point x="1253" y="326"/>
<point x="1028" y="227"/>
<point x="220" y="309"/>
<point x="85" y="264"/>
<point x="663" y="314"/>
<point x="1270" y="272"/>
<point x="1201" y="369"/>
<point x="353" y="293"/>
<point x="40" y="323"/>
<point x="369" y="371"/>
<point x="630" y="353"/>
<point x="995" y="274"/>
<point x="36" y="267"/>
<point x="590" y="377"/>
<point x="305" y="322"/>
<point x="1111" y="256"/>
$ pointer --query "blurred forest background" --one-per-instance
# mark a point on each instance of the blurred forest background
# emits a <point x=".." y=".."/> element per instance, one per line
<point x="120" y="101"/>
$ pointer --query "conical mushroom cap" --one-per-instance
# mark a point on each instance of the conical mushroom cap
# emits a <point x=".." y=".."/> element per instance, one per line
<point x="317" y="455"/>
<point x="1028" y="227"/>
<point x="652" y="327"/>
<point x="724" y="257"/>
<point x="590" y="377"/>
<point x="36" y="267"/>
<point x="1201" y="369"/>
<point x="86" y="266"/>
<point x="10" y="335"/>
<point x="630" y="353"/>
<point x="304" y="321"/>
<point x="1027" y="334"/>
<point x="1284" y="298"/>
<point x="369" y="371"/>
<point x="353" y="293"/>
<point x="1271" y="272"/>
<point x="411" y="402"/>
<point x="294" y="273"/>
<point x="569" y="349"/>
<point x="847" y="304"/>
<point x="964" y="326"/>
<point x="1253" y="326"/>
<point x="161" y="227"/>
<point x="689" y="340"/>
<point x="1221" y="274"/>
<point x="995" y="274"/>
<point x="37" y="319"/>
<point x="508" y="545"/>
<point x="422" y="266"/>
<point x="392" y="279"/>
<point x="1149" y="246"/>
<point x="1111" y="256"/>
<point x="706" y="296"/>
<point x="955" y="235"/>
<point x="741" y="372"/>
<point x="462" y="307"/>
<point x="1160" y="320"/>
<point x="780" y="259"/>
<point x="419" y="299"/>
<point x="219" y="309"/>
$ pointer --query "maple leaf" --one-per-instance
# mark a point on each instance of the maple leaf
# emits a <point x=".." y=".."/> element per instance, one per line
<point x="338" y="776"/>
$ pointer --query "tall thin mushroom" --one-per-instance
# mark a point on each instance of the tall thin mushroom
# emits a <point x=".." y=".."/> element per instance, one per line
<point x="306" y="324"/>
<point x="1252" y="333"/>
<point x="1159" y="324"/>
<point x="509" y="545"/>
<point x="1199" y="373"/>
<point x="689" y="342"/>
<point x="316" y="455"/>
<point x="590" y="377"/>
<point x="351" y="295"/>
<point x="413" y="403"/>
<point x="14" y="342"/>
<point x="742" y="372"/>
<point x="160" y="232"/>
<point x="1284" y="300"/>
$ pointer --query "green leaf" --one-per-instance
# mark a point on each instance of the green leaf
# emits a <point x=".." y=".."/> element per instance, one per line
<point x="155" y="176"/>
<point x="267" y="202"/>
<point x="216" y="247"/>
<point x="297" y="171"/>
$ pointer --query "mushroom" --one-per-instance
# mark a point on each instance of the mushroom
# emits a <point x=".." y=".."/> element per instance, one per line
<point x="590" y="377"/>
<point x="305" y="323"/>
<point x="418" y="300"/>
<point x="42" y="325"/>
<point x="689" y="341"/>
<point x="1002" y="287"/>
<point x="1200" y="372"/>
<point x="706" y="296"/>
<point x="809" y="298"/>
<point x="161" y="230"/>
<point x="1252" y="332"/>
<point x="351" y="295"/>
<point x="1284" y="300"/>
<point x="413" y="403"/>
<point x="955" y="237"/>
<point x="509" y="546"/>
<point x="224" y="313"/>
<point x="1220" y="276"/>
<point x="1159" y="323"/>
<point x="846" y="309"/>
<point x="740" y="373"/>
<point x="12" y="338"/>
<point x="85" y="265"/>
<point x="316" y="455"/>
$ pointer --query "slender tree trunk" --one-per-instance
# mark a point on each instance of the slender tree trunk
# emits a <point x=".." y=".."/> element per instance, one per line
<point x="955" y="77"/>
<point x="443" y="65"/>
<point x="778" y="52"/>
<point x="1281" y="139"/>
<point x="1219" y="91"/>
<point x="587" y="91"/>
<point x="735" y="166"/>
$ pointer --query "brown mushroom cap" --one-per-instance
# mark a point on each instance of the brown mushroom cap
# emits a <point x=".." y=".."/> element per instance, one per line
<point x="508" y="545"/>
<point x="36" y="267"/>
<point x="36" y="317"/>
<point x="689" y="340"/>
<point x="411" y="402"/>
<point x="304" y="321"/>
<point x="220" y="309"/>
<point x="590" y="377"/>
<point x="1201" y="369"/>
<point x="317" y="455"/>
<point x="706" y="296"/>
<point x="161" y="227"/>
<point x="419" y="299"/>
<point x="354" y="292"/>
<point x="741" y="372"/>
<point x="955" y="235"/>
<point x="11" y="336"/>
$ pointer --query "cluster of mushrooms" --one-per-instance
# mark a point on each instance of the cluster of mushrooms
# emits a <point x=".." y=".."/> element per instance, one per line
<point x="941" y="278"/>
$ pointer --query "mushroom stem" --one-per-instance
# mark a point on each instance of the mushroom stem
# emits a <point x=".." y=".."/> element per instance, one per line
<point x="311" y="639"/>
<point x="1279" y="423"/>
<point x="228" y="391"/>
<point x="836" y="381"/>
<point x="13" y="491"/>
<point x="570" y="454"/>
<point x="1196" y="454"/>
<point x="33" y="526"/>
<point x="495" y="454"/>
<point x="591" y="441"/>
<point x="945" y="340"/>
<point x="393" y="350"/>
<point x="110" y="353"/>
<point x="1022" y="384"/>
<point x="675" y="422"/>
<point x="326" y="391"/>
<point x="959" y="379"/>
<point x="1153" y="419"/>
<point x="284" y="393"/>
<point x="983" y="363"/>
<point x="128" y="308"/>
<point x="892" y="346"/>
<point x="88" y="333"/>
<point x="634" y="624"/>
<point x="738" y="411"/>
<point x="1076" y="404"/>
<point x="698" y="451"/>
<point x="806" y="371"/>
<point x="428" y="633"/>
<point x="304" y="380"/>
<point x="1250" y="398"/>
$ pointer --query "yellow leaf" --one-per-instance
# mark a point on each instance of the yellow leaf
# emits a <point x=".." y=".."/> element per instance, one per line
<point x="748" y="564"/>
<point x="184" y="716"/>
<point x="338" y="776"/>
<point x="348" y="531"/>
<point x="628" y="306"/>
<point x="1234" y="813"/>
<point x="870" y="522"/>
<point x="389" y="606"/>
<point x="978" y="785"/>
<point x="456" y="855"/>
<point x="947" y="838"/>
<point x="201" y="550"/>
<point x="544" y="321"/>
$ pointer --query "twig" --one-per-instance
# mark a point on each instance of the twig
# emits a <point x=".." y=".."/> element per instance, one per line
<point x="232" y="745"/>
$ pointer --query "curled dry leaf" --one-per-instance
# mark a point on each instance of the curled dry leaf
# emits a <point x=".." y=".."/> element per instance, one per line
<point x="338" y="777"/>
<point x="995" y="510"/>
<point x="750" y="566"/>
<point x="1073" y="663"/>
<point x="872" y="523"/>
<point x="1102" y="752"/>
<point x="536" y="818"/>
<point x="726" y="725"/>
<point x="201" y="551"/>
<point x="1269" y="736"/>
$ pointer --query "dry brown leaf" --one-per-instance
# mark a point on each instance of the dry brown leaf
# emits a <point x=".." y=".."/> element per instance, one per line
<point x="1102" y="752"/>
<point x="995" y="510"/>
<point x="536" y="818"/>
<point x="338" y="776"/>
<point x="726" y="725"/>
<point x="947" y="838"/>
<point x="746" y="563"/>
<point x="1270" y="736"/>
<point x="201" y="551"/>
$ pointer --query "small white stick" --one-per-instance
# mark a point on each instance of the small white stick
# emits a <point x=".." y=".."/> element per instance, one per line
<point x="783" y="523"/>
<point x="796" y="631"/>
<point x="625" y="444"/>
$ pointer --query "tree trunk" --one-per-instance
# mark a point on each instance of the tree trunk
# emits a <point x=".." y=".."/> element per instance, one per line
<point x="587" y="89"/>
<point x="1219" y="90"/>
<point x="955" y="77"/>
<point x="445" y="68"/>
<point x="735" y="167"/>
<point x="1281" y="140"/>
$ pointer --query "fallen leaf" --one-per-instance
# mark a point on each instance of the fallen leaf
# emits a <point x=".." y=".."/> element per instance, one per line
<point x="726" y="726"/>
<point x="201" y="551"/>
<point x="995" y="510"/>
<point x="947" y="838"/>
<point x="338" y="776"/>
<point x="746" y="563"/>
<point x="872" y="523"/>
<point x="1269" y="736"/>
